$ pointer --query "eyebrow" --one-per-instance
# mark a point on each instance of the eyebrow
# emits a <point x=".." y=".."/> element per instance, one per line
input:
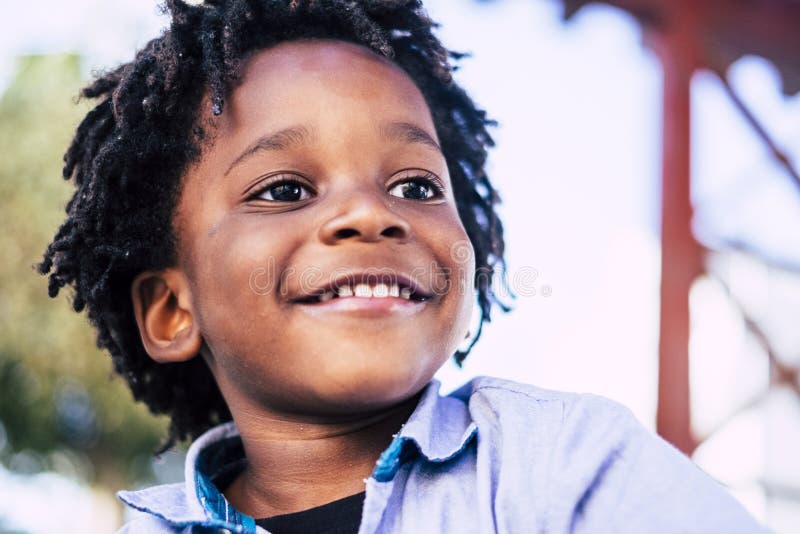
<point x="280" y="140"/>
<point x="286" y="138"/>
<point x="407" y="132"/>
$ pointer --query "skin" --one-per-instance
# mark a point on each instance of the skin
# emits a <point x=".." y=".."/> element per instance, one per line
<point x="317" y="392"/>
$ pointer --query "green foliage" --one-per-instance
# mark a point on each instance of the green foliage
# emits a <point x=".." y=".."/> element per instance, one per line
<point x="58" y="403"/>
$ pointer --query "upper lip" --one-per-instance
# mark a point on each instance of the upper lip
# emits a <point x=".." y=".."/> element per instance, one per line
<point x="370" y="276"/>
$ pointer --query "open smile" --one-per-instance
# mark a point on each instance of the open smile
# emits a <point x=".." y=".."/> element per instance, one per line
<point x="362" y="286"/>
<point x="367" y="295"/>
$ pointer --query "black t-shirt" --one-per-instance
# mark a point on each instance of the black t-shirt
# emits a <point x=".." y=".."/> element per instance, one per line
<point x="337" y="517"/>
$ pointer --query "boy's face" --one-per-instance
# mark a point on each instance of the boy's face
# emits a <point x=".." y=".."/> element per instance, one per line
<point x="320" y="176"/>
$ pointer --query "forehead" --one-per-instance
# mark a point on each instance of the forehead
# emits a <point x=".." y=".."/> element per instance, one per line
<point x="304" y="81"/>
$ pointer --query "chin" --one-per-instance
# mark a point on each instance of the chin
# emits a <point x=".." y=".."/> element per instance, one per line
<point x="374" y="387"/>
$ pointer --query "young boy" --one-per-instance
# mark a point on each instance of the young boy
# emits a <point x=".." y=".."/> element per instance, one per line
<point x="281" y="224"/>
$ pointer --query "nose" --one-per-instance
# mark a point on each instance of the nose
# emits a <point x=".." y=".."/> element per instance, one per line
<point x="364" y="217"/>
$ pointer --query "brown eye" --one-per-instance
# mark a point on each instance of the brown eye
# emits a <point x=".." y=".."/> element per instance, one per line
<point x="416" y="189"/>
<point x="284" y="191"/>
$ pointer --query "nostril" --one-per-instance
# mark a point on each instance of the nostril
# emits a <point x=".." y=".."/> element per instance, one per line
<point x="344" y="233"/>
<point x="393" y="232"/>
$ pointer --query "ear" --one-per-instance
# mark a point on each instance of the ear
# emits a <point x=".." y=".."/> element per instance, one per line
<point x="163" y="308"/>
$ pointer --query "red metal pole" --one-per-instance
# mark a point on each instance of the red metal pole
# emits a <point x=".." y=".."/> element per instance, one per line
<point x="680" y="252"/>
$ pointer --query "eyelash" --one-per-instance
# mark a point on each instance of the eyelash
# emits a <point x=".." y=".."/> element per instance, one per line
<point x="280" y="179"/>
<point x="424" y="177"/>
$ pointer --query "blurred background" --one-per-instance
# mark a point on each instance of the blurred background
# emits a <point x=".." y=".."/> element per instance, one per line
<point x="691" y="322"/>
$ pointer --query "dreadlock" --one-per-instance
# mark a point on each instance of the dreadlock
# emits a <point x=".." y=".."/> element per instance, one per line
<point x="130" y="152"/>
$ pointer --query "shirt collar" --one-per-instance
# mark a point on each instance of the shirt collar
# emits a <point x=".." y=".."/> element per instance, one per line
<point x="440" y="428"/>
<point x="200" y="502"/>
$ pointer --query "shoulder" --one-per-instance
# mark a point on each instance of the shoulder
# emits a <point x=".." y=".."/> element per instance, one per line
<point x="162" y="508"/>
<point x="175" y="507"/>
<point x="147" y="524"/>
<point x="500" y="401"/>
<point x="501" y="389"/>
<point x="559" y="437"/>
<point x="574" y="431"/>
<point x="592" y="465"/>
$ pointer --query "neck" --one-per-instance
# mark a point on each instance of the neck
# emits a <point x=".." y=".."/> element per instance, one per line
<point x="294" y="465"/>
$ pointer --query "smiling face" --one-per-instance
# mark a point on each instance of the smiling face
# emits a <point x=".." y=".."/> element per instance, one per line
<point x="324" y="179"/>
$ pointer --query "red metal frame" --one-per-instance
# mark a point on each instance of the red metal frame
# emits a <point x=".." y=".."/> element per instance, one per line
<point x="688" y="35"/>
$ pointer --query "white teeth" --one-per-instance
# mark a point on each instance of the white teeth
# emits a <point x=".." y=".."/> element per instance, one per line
<point x="345" y="291"/>
<point x="363" y="290"/>
<point x="380" y="290"/>
<point x="328" y="295"/>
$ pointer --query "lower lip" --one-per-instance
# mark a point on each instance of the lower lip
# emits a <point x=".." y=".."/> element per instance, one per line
<point x="366" y="306"/>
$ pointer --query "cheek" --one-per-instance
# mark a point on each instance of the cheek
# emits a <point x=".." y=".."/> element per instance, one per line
<point x="464" y="255"/>
<point x="237" y="286"/>
<point x="458" y="257"/>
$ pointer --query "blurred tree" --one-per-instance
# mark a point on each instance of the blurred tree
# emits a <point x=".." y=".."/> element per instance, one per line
<point x="59" y="407"/>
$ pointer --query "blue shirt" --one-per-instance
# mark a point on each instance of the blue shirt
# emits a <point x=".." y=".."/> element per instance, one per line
<point x="494" y="456"/>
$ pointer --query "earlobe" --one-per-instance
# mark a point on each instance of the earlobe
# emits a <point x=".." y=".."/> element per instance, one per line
<point x="162" y="305"/>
